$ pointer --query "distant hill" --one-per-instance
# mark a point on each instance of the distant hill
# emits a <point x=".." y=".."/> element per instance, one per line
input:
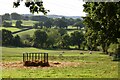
<point x="59" y="16"/>
<point x="55" y="16"/>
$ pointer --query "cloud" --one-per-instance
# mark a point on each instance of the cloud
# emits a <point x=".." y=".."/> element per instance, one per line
<point x="58" y="7"/>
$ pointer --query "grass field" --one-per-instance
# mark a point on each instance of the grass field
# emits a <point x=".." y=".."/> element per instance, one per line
<point x="29" y="32"/>
<point x="10" y="29"/>
<point x="24" y="22"/>
<point x="72" y="64"/>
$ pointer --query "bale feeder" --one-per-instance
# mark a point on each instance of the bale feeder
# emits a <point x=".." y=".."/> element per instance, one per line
<point x="35" y="59"/>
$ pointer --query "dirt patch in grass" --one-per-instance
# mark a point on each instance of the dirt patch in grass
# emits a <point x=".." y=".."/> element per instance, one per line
<point x="52" y="64"/>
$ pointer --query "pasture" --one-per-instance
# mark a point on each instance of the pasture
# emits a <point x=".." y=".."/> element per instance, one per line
<point x="12" y="29"/>
<point x="28" y="32"/>
<point x="24" y="22"/>
<point x="71" y="65"/>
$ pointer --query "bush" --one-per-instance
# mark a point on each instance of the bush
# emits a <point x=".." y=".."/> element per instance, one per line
<point x="116" y="56"/>
<point x="6" y="24"/>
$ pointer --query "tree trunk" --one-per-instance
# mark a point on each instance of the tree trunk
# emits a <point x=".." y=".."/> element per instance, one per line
<point x="105" y="48"/>
<point x="78" y="46"/>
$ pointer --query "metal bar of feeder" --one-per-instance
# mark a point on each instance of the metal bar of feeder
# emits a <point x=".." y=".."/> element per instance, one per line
<point x="38" y="56"/>
<point x="41" y="56"/>
<point x="23" y="57"/>
<point x="47" y="57"/>
<point x="27" y="56"/>
<point x="44" y="57"/>
<point x="32" y="57"/>
<point x="35" y="56"/>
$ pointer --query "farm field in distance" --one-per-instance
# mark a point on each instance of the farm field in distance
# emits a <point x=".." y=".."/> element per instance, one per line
<point x="71" y="65"/>
<point x="12" y="29"/>
<point x="24" y="22"/>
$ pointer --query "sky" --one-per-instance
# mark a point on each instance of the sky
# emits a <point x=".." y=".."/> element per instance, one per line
<point x="57" y="7"/>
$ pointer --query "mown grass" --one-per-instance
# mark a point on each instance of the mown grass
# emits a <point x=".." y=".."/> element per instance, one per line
<point x="81" y="71"/>
<point x="94" y="65"/>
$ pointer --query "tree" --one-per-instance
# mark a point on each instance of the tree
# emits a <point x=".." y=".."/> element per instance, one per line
<point x="27" y="40"/>
<point x="39" y="18"/>
<point x="40" y="38"/>
<point x="36" y="25"/>
<point x="62" y="31"/>
<point x="18" y="23"/>
<point x="103" y="19"/>
<point x="60" y="23"/>
<point x="65" y="41"/>
<point x="6" y="17"/>
<point x="71" y="21"/>
<point x="41" y="24"/>
<point x="53" y="37"/>
<point x="77" y="38"/>
<point x="33" y="5"/>
<point x="79" y="25"/>
<point x="16" y="16"/>
<point x="7" y="38"/>
<point x="17" y="41"/>
<point x="48" y="23"/>
<point x="6" y="24"/>
<point x="91" y="39"/>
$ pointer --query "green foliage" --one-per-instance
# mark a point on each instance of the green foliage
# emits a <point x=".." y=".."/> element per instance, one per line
<point x="77" y="38"/>
<point x="41" y="24"/>
<point x="18" y="24"/>
<point x="103" y="20"/>
<point x="6" y="16"/>
<point x="6" y="24"/>
<point x="40" y="38"/>
<point x="27" y="40"/>
<point x="112" y="48"/>
<point x="16" y="16"/>
<point x="7" y="38"/>
<point x="36" y="25"/>
<point x="65" y="41"/>
<point x="79" y="25"/>
<point x="62" y="31"/>
<point x="115" y="48"/>
<point x="53" y="38"/>
<point x="17" y="41"/>
<point x="48" y="23"/>
<point x="60" y="23"/>
<point x="33" y="5"/>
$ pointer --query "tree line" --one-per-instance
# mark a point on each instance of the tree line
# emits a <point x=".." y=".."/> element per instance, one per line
<point x="42" y="21"/>
<point x="45" y="38"/>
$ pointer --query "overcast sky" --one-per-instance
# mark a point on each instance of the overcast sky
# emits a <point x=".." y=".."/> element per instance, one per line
<point x="57" y="7"/>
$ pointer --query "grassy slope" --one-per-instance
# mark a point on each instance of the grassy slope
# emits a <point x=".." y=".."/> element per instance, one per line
<point x="10" y="29"/>
<point x="30" y="32"/>
<point x="91" y="66"/>
<point x="30" y="23"/>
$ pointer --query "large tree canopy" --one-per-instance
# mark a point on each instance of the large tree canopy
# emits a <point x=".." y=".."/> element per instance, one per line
<point x="102" y="22"/>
